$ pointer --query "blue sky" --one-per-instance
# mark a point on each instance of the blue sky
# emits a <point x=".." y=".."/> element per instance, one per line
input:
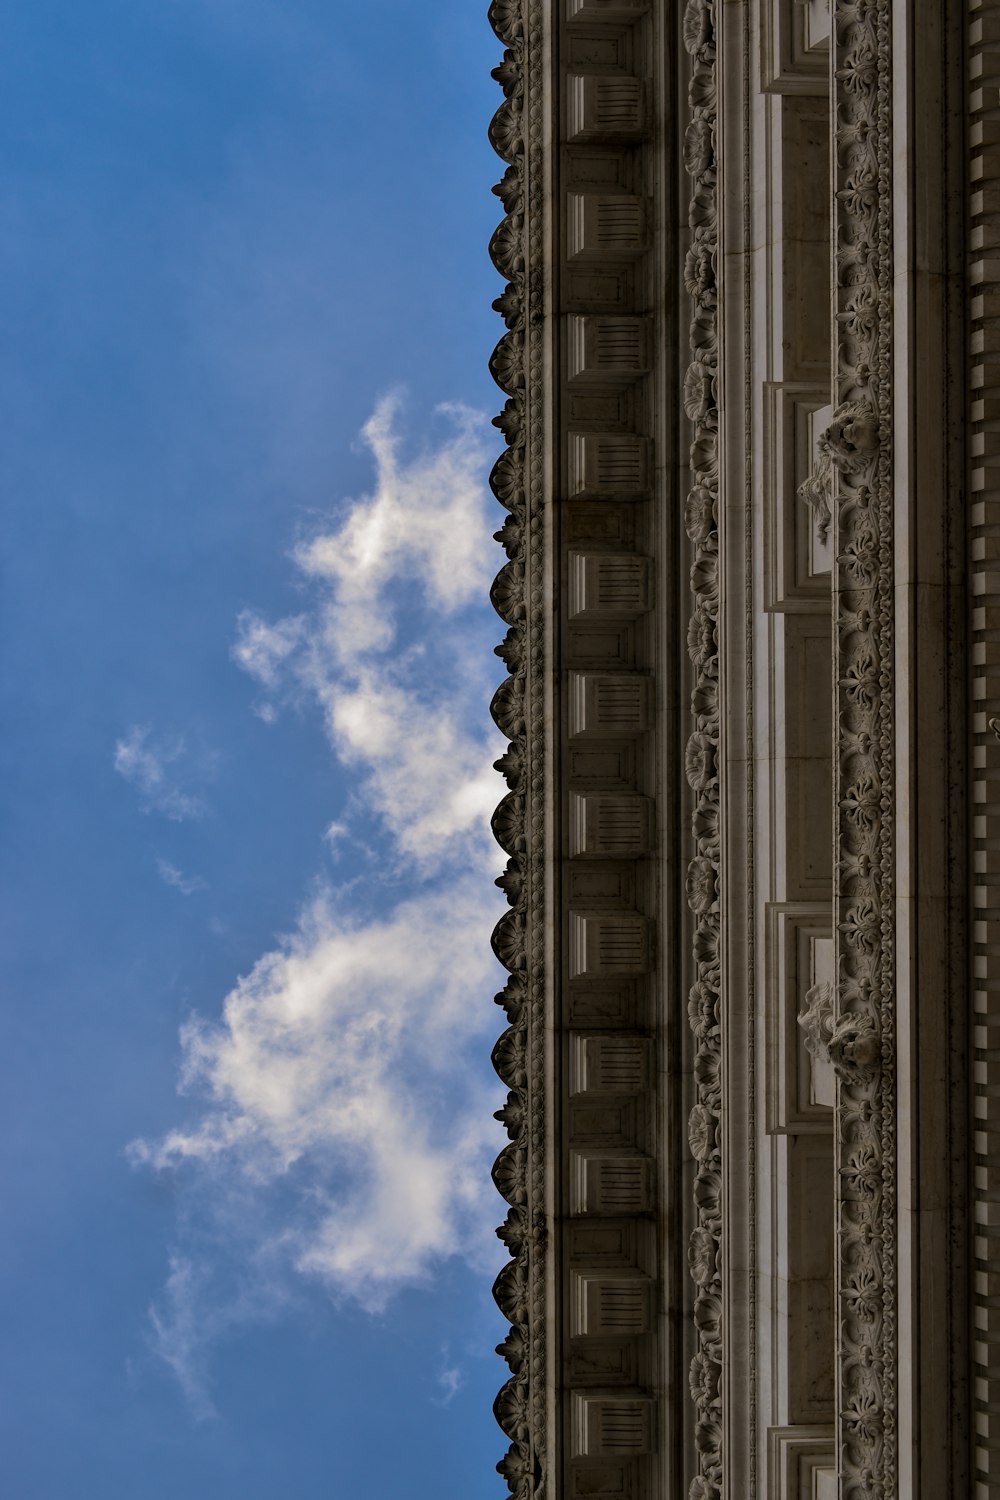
<point x="247" y="1242"/>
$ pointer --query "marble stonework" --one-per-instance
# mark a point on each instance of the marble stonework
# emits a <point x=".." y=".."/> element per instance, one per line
<point x="753" y="712"/>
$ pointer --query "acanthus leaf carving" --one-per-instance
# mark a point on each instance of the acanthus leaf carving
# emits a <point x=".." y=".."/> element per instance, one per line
<point x="702" y="758"/>
<point x="858" y="441"/>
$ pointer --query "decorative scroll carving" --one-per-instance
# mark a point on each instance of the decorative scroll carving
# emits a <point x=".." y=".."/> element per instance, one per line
<point x="701" y="406"/>
<point x="859" y="443"/>
<point x="518" y="1173"/>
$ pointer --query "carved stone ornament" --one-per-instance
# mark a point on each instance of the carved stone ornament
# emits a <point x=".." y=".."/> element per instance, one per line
<point x="850" y="1045"/>
<point x="859" y="440"/>
<point x="816" y="1020"/>
<point x="519" y="1171"/>
<point x="702" y="756"/>
<point x="817" y="492"/>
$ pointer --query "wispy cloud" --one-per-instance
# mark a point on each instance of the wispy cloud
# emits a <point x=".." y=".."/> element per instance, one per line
<point x="345" y="1062"/>
<point x="149" y="765"/>
<point x="450" y="1380"/>
<point x="172" y="876"/>
<point x="177" y="1333"/>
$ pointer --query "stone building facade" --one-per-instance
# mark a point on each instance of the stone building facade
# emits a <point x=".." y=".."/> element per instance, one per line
<point x="752" y="494"/>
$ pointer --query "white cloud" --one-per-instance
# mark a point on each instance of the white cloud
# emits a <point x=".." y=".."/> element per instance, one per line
<point x="414" y="727"/>
<point x="172" y="876"/>
<point x="147" y="766"/>
<point x="346" y="1050"/>
<point x="344" y="1084"/>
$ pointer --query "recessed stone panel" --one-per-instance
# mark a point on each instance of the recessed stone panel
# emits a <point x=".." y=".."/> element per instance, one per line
<point x="611" y="1424"/>
<point x="603" y="225"/>
<point x="602" y="1004"/>
<point x="607" y="107"/>
<point x="603" y="1482"/>
<point x="609" y="1064"/>
<point x="607" y="348"/>
<point x="609" y="943"/>
<point x="608" y="584"/>
<point x="608" y="705"/>
<point x="609" y="1306"/>
<point x="610" y="1183"/>
<point x="608" y="466"/>
<point x="615" y="827"/>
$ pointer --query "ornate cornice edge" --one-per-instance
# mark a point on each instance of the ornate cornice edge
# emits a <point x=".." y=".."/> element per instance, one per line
<point x="517" y="824"/>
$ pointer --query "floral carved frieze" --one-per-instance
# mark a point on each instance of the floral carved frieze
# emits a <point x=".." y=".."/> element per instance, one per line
<point x="863" y="1026"/>
<point x="701" y="406"/>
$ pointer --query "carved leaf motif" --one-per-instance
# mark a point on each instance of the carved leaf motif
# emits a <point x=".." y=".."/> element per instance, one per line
<point x="510" y="1409"/>
<point x="511" y="420"/>
<point x="514" y="1234"/>
<point x="510" y="536"/>
<point x="862" y="803"/>
<point x="508" y="1058"/>
<point x="701" y="885"/>
<point x="507" y="480"/>
<point x="510" y="1293"/>
<point x="507" y="594"/>
<point x="505" y="131"/>
<point x="860" y="680"/>
<point x="699" y="514"/>
<point x="511" y="768"/>
<point x="511" y="997"/>
<point x="506" y="19"/>
<point x="510" y="190"/>
<point x="511" y="882"/>
<point x="508" y="824"/>
<point x="511" y="650"/>
<point x="507" y="362"/>
<point x="508" y="941"/>
<point x="699" y="761"/>
<point x="511" y="1116"/>
<point x="508" y="74"/>
<point x="701" y="1132"/>
<point x="697" y="26"/>
<point x="507" y="248"/>
<point x="513" y="1349"/>
<point x="509" y="1175"/>
<point x="507" y="707"/>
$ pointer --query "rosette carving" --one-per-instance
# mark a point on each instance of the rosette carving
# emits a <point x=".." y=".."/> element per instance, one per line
<point x="858" y="445"/>
<point x="700" y="397"/>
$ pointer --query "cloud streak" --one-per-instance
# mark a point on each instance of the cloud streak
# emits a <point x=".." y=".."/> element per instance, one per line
<point x="177" y="880"/>
<point x="148" y="765"/>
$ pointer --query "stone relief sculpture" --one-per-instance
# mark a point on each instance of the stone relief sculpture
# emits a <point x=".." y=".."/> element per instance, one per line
<point x="670" y="676"/>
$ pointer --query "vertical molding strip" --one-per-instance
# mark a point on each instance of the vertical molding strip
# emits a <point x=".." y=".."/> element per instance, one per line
<point x="859" y="442"/>
<point x="701" y="404"/>
<point x="983" y="303"/>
